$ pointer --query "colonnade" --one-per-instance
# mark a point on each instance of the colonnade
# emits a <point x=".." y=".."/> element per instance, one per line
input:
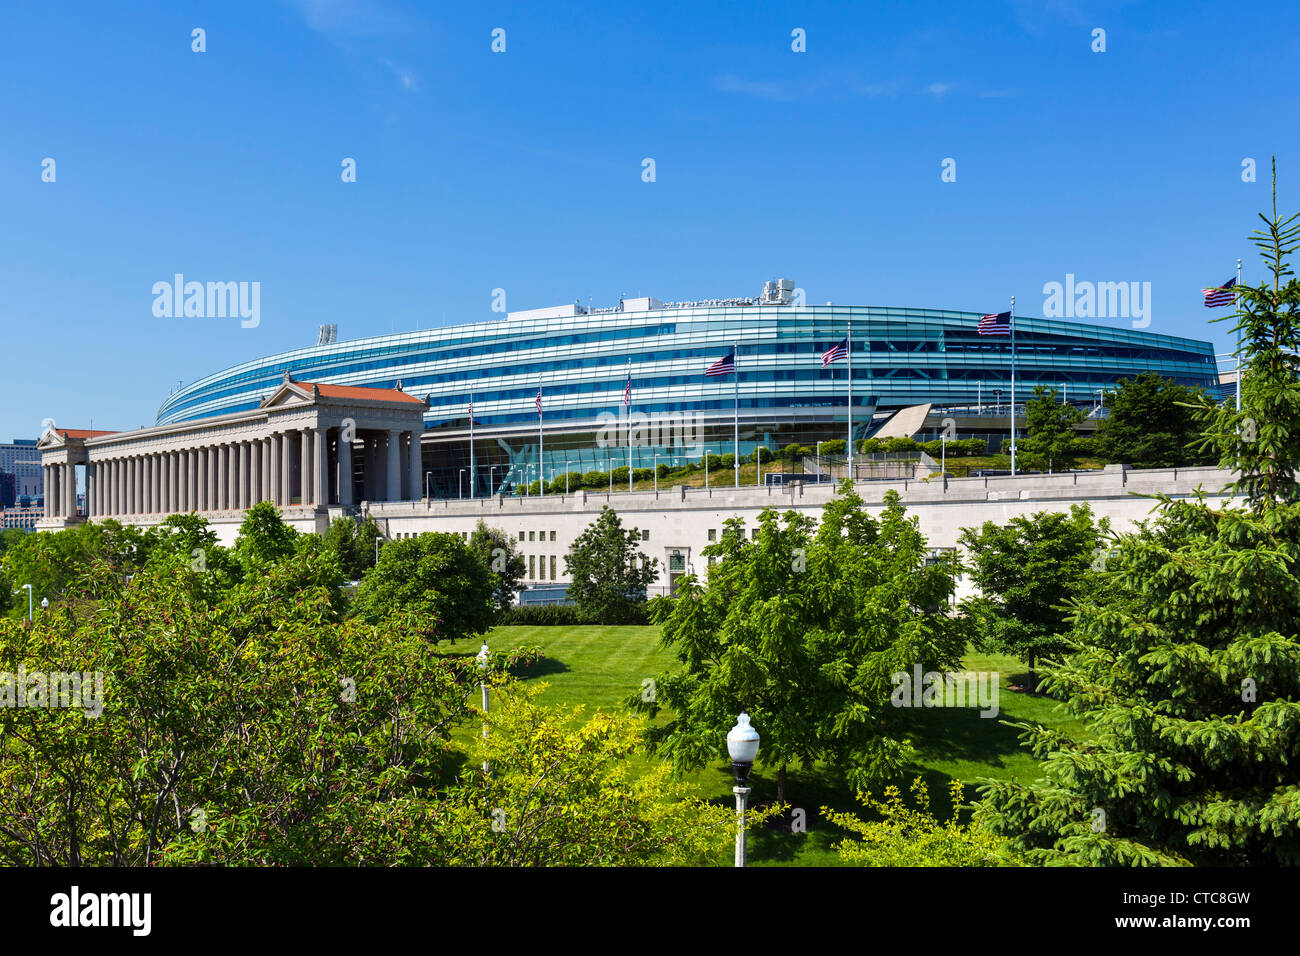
<point x="293" y="467"/>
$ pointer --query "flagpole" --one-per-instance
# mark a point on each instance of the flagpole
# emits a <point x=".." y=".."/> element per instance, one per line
<point x="1235" y="293"/>
<point x="471" y="443"/>
<point x="541" y="443"/>
<point x="849" y="342"/>
<point x="1013" y="386"/>
<point x="735" y="375"/>
<point x="628" y="388"/>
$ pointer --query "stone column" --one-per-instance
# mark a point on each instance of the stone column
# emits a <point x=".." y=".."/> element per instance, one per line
<point x="182" y="481"/>
<point x="320" y="479"/>
<point x="243" y="495"/>
<point x="345" y="471"/>
<point x="132" y="506"/>
<point x="417" y="468"/>
<point x="304" y="466"/>
<point x="286" y="469"/>
<point x="46" y="484"/>
<point x="393" y="466"/>
<point x="255" y="472"/>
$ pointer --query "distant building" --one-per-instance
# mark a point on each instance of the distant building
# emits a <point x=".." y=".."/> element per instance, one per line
<point x="21" y="459"/>
<point x="8" y="489"/>
<point x="23" y="519"/>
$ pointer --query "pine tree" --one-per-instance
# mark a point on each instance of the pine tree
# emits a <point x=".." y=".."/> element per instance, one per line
<point x="1186" y="663"/>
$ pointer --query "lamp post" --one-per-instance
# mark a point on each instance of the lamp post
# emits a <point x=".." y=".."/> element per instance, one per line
<point x="376" y="551"/>
<point x="943" y="451"/>
<point x="492" y="469"/>
<point x="742" y="745"/>
<point x="482" y="669"/>
<point x="29" y="601"/>
<point x="706" y="471"/>
<point x="758" y="460"/>
<point x="609" y="463"/>
<point x="654" y="463"/>
<point x="427" y="476"/>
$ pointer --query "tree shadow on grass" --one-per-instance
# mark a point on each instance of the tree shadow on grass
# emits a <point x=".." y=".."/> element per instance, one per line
<point x="541" y="668"/>
<point x="960" y="733"/>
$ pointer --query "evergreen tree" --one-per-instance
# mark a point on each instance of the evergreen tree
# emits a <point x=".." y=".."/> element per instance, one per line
<point x="609" y="573"/>
<point x="1152" y="424"/>
<point x="1050" y="436"/>
<point x="1186" y="663"/>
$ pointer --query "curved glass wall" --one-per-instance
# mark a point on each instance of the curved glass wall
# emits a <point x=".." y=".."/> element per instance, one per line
<point x="900" y="356"/>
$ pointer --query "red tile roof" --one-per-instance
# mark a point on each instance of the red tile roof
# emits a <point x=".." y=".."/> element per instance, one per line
<point x="81" y="433"/>
<point x="360" y="391"/>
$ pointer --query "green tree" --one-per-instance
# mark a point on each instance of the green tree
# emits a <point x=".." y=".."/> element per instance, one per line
<point x="804" y="631"/>
<point x="1186" y="667"/>
<point x="1050" y="435"/>
<point x="1152" y="424"/>
<point x="434" y="585"/>
<point x="560" y="794"/>
<point x="497" y="550"/>
<point x="263" y="537"/>
<point x="1027" y="572"/>
<point x="353" y="544"/>
<point x="609" y="573"/>
<point x="52" y="561"/>
<point x="914" y="836"/>
<point x="260" y="730"/>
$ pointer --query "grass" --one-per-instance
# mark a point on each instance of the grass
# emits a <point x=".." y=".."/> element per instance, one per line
<point x="600" y="667"/>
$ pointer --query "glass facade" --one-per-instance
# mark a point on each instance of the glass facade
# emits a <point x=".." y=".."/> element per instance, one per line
<point x="900" y="357"/>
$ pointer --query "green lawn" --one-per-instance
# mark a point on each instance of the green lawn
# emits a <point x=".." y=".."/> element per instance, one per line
<point x="599" y="667"/>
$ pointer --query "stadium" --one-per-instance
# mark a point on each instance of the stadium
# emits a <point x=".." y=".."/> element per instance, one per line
<point x="645" y="360"/>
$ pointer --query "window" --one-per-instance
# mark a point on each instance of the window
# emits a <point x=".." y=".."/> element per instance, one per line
<point x="521" y="536"/>
<point x="532" y="566"/>
<point x="676" y="561"/>
<point x="532" y="536"/>
<point x="645" y="534"/>
<point x="711" y="560"/>
<point x="713" y="536"/>
<point x="552" y="564"/>
<point x="552" y="538"/>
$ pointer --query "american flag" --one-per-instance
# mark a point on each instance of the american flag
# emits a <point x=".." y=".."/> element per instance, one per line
<point x="998" y="324"/>
<point x="539" y="399"/>
<point x="836" y="352"/>
<point x="723" y="366"/>
<point x="1223" y="295"/>
<point x="627" y="390"/>
<point x="471" y="408"/>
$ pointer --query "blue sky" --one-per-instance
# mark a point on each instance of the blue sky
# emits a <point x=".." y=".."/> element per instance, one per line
<point x="522" y="170"/>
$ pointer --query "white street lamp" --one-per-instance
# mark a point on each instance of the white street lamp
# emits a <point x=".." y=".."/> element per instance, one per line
<point x="492" y="478"/>
<point x="45" y="604"/>
<point x="706" y="471"/>
<point x="742" y="745"/>
<point x="482" y="659"/>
